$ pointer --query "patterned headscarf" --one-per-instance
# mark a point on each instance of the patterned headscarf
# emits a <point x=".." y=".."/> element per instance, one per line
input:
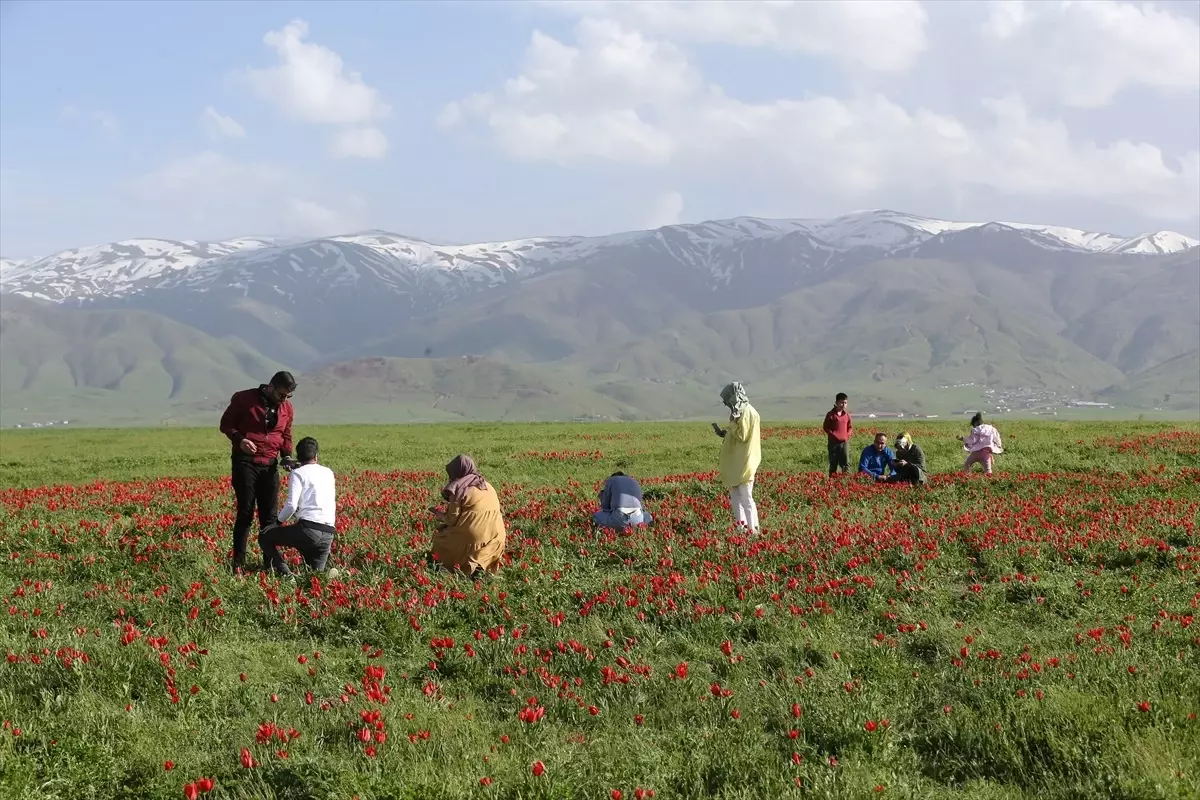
<point x="463" y="476"/>
<point x="734" y="396"/>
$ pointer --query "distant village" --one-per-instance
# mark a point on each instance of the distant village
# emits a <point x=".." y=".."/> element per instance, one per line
<point x="1038" y="402"/>
<point x="1033" y="401"/>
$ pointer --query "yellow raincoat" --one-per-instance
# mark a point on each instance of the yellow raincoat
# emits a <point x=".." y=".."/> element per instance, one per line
<point x="741" y="452"/>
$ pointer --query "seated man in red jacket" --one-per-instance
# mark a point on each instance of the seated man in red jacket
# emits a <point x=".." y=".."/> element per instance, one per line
<point x="258" y="423"/>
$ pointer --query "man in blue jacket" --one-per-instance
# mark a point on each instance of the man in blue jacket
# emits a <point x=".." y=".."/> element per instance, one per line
<point x="876" y="458"/>
<point x="621" y="504"/>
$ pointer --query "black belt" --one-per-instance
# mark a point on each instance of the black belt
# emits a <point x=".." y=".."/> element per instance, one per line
<point x="320" y="526"/>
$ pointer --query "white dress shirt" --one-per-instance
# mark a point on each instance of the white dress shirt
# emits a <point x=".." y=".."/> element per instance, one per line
<point x="312" y="495"/>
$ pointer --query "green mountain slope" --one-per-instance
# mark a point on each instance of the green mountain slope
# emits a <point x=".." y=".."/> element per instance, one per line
<point x="428" y="389"/>
<point x="919" y="322"/>
<point x="1173" y="385"/>
<point x="1156" y="319"/>
<point x="629" y="338"/>
<point x="76" y="364"/>
<point x="547" y="317"/>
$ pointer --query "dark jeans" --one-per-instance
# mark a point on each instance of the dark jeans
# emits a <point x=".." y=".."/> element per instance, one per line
<point x="312" y="539"/>
<point x="909" y="473"/>
<point x="253" y="485"/>
<point x="839" y="456"/>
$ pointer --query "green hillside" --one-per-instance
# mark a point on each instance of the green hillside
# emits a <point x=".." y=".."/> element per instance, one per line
<point x="430" y="390"/>
<point x="909" y="323"/>
<point x="611" y="339"/>
<point x="545" y="318"/>
<point x="60" y="364"/>
<point x="1173" y="385"/>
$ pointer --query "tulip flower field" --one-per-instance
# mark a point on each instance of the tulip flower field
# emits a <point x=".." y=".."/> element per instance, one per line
<point x="1029" y="635"/>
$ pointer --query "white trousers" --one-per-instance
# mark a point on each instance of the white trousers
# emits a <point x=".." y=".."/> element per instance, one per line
<point x="741" y="501"/>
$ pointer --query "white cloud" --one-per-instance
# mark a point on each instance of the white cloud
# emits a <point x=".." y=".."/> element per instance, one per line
<point x="214" y="196"/>
<point x="103" y="120"/>
<point x="618" y="96"/>
<point x="206" y="175"/>
<point x="310" y="84"/>
<point x="314" y="219"/>
<point x="368" y="142"/>
<point x="218" y="126"/>
<point x="1005" y="18"/>
<point x="666" y="210"/>
<point x="878" y="35"/>
<point x="1085" y="53"/>
<point x="587" y="101"/>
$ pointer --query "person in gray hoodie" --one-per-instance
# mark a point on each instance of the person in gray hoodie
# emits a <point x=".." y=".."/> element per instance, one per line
<point x="621" y="504"/>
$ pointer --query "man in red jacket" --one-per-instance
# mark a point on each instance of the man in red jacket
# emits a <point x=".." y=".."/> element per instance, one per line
<point x="258" y="423"/>
<point x="838" y="429"/>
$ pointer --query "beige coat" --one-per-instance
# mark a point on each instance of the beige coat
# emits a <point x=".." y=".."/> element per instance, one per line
<point x="474" y="534"/>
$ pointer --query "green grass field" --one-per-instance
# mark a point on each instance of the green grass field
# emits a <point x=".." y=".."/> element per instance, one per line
<point x="1029" y="635"/>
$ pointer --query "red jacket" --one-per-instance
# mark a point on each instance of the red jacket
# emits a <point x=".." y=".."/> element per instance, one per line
<point x="246" y="418"/>
<point x="838" y="426"/>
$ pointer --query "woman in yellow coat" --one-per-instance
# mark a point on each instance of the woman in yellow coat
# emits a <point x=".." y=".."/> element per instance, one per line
<point x="741" y="454"/>
<point x="472" y="534"/>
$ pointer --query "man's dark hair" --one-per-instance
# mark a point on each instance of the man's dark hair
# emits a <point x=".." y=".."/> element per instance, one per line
<point x="306" y="449"/>
<point x="840" y="397"/>
<point x="977" y="420"/>
<point x="881" y="433"/>
<point x="617" y="474"/>
<point x="284" y="380"/>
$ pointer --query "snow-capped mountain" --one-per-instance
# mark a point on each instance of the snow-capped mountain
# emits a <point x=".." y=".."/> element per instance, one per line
<point x="403" y="264"/>
<point x="109" y="270"/>
<point x="872" y="297"/>
<point x="1159" y="243"/>
<point x="303" y="302"/>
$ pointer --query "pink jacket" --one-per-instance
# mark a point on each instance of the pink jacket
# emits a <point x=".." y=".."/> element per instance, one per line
<point x="983" y="436"/>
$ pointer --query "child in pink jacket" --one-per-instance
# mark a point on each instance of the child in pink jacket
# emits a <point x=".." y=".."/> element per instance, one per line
<point x="983" y="442"/>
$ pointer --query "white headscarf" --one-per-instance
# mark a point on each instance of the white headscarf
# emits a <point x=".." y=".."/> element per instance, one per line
<point x="734" y="396"/>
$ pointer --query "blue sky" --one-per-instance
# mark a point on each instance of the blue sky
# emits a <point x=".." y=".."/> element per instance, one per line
<point x="457" y="122"/>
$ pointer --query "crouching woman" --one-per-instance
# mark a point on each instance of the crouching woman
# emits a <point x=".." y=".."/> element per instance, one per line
<point x="909" y="464"/>
<point x="471" y="536"/>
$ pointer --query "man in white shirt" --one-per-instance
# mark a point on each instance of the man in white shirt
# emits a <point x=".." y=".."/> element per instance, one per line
<point x="312" y="498"/>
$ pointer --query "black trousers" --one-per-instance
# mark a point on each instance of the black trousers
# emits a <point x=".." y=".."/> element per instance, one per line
<point x="909" y="473"/>
<point x="253" y="485"/>
<point x="839" y="456"/>
<point x="312" y="539"/>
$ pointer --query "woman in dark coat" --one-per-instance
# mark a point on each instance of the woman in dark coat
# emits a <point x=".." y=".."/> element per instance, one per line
<point x="909" y="464"/>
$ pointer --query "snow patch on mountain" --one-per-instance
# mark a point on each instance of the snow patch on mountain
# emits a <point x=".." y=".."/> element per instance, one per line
<point x="107" y="270"/>
<point x="1160" y="243"/>
<point x="880" y="228"/>
<point x="407" y="265"/>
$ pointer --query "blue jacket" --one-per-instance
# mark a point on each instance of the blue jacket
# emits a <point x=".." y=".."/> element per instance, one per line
<point x="873" y="461"/>
<point x="620" y="491"/>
